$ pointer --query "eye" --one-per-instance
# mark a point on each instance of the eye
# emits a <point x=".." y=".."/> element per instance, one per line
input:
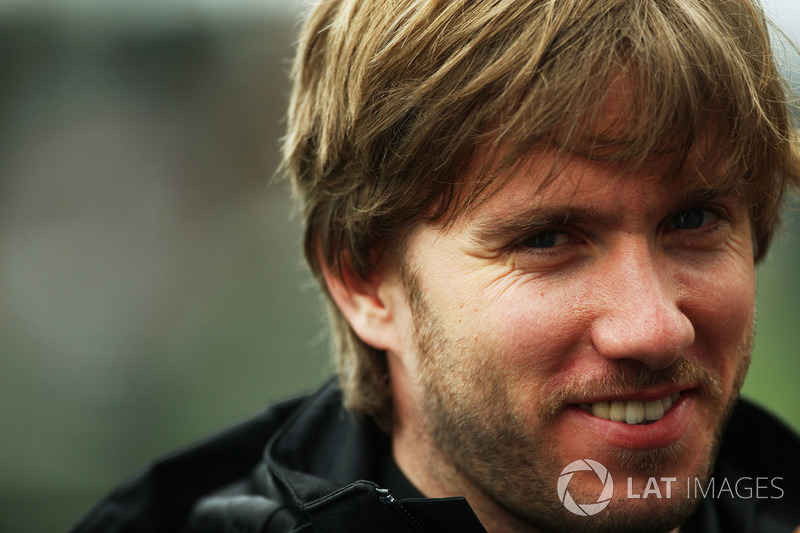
<point x="546" y="239"/>
<point x="691" y="219"/>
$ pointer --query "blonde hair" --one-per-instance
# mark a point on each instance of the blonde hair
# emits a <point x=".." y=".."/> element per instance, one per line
<point x="392" y="98"/>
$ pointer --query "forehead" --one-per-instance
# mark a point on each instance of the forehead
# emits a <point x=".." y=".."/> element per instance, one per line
<point x="605" y="142"/>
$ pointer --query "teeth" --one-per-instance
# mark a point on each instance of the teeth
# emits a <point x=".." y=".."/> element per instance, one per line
<point x="667" y="403"/>
<point x="601" y="410"/>
<point x="617" y="412"/>
<point x="634" y="412"/>
<point x="653" y="410"/>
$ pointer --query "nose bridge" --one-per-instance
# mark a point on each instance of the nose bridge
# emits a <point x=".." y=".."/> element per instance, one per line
<point x="641" y="317"/>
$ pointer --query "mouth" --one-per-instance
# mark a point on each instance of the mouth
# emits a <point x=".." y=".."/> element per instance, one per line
<point x="639" y="420"/>
<point x="633" y="412"/>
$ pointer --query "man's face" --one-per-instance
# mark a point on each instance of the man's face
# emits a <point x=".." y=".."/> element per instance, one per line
<point x="606" y="316"/>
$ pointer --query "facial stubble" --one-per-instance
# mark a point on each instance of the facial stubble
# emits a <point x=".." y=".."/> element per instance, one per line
<point x="470" y="418"/>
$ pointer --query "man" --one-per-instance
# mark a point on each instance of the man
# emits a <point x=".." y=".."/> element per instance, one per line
<point x="537" y="223"/>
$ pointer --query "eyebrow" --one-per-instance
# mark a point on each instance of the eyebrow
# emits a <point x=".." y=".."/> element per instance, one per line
<point x="490" y="230"/>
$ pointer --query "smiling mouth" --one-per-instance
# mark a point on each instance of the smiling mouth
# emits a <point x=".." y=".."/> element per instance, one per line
<point x="632" y="412"/>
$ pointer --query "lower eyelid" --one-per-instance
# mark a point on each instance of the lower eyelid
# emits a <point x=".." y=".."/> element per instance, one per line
<point x="705" y="236"/>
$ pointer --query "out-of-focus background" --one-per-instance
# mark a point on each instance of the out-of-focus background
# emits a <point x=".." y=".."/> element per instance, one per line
<point x="151" y="283"/>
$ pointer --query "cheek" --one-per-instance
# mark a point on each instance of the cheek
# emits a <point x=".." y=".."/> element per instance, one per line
<point x="529" y="330"/>
<point x="721" y="307"/>
<point x="723" y="297"/>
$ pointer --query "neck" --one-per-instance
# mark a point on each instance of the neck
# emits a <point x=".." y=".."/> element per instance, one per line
<point x="430" y="471"/>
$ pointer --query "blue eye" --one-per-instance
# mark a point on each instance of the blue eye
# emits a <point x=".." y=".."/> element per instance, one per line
<point x="545" y="239"/>
<point x="691" y="219"/>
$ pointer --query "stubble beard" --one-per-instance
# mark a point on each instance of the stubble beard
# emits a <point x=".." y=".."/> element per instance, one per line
<point x="470" y="418"/>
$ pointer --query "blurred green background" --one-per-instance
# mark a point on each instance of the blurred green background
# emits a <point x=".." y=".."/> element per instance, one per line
<point x="151" y="283"/>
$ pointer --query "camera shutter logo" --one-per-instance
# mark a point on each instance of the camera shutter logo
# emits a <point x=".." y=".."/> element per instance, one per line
<point x="585" y="509"/>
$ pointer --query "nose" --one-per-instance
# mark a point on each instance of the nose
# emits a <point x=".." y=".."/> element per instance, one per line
<point x="640" y="317"/>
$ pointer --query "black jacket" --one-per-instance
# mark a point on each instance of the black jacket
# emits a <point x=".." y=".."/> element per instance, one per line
<point x="325" y="469"/>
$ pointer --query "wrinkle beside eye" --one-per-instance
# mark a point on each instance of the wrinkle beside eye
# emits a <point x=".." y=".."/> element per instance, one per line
<point x="509" y="279"/>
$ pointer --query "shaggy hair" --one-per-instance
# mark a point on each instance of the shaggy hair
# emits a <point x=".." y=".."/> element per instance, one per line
<point x="392" y="99"/>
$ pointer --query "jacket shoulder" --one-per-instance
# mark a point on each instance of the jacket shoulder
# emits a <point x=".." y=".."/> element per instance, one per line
<point x="757" y="442"/>
<point x="161" y="496"/>
<point x="756" y="483"/>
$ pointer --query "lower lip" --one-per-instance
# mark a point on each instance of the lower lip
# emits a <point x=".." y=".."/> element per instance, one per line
<point x="658" y="434"/>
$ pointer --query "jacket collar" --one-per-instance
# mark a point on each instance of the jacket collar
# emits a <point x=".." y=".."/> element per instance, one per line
<point x="324" y="447"/>
<point x="323" y="454"/>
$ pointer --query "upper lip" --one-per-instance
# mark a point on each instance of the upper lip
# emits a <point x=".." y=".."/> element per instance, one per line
<point x="647" y="395"/>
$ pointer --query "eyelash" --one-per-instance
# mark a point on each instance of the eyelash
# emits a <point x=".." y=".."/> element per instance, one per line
<point x="546" y="252"/>
<point x="720" y="218"/>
